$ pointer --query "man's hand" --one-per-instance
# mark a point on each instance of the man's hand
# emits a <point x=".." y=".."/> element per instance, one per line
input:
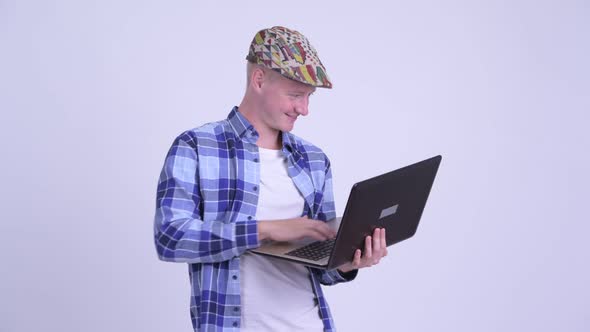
<point x="294" y="229"/>
<point x="375" y="249"/>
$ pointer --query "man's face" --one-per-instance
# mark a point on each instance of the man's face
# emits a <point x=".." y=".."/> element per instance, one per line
<point x="283" y="100"/>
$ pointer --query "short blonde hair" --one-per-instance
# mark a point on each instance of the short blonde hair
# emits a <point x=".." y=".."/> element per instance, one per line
<point x="251" y="66"/>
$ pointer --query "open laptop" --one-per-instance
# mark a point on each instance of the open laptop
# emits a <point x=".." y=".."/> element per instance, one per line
<point x="393" y="201"/>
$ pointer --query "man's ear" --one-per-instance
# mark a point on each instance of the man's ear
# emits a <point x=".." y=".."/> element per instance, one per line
<point x="257" y="78"/>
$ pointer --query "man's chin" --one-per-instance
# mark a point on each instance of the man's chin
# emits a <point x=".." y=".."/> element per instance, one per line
<point x="287" y="127"/>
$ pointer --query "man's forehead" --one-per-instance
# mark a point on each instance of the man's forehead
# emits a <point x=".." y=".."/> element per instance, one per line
<point x="298" y="86"/>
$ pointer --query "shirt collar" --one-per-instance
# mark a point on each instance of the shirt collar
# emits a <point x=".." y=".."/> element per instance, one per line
<point x="243" y="128"/>
<point x="240" y="125"/>
<point x="289" y="144"/>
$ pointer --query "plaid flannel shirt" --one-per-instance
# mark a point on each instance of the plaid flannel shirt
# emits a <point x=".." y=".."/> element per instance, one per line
<point x="206" y="207"/>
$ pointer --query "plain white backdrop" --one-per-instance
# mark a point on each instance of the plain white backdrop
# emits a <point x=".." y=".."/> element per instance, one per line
<point x="92" y="93"/>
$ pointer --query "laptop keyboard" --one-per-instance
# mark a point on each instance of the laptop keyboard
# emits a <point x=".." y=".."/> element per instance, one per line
<point x="314" y="251"/>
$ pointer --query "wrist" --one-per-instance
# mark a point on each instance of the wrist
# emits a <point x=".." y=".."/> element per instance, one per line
<point x="344" y="270"/>
<point x="263" y="232"/>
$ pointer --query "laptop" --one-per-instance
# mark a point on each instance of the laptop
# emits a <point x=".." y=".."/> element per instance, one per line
<point x="394" y="201"/>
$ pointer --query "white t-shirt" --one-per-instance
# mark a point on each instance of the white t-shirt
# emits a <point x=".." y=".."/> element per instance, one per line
<point x="277" y="295"/>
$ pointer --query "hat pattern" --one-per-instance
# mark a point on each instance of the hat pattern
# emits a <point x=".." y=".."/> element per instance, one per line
<point x="289" y="53"/>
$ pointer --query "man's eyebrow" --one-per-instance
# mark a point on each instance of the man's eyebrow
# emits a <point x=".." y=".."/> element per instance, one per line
<point x="301" y="91"/>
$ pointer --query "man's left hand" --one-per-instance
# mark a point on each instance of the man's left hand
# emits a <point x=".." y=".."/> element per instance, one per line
<point x="375" y="249"/>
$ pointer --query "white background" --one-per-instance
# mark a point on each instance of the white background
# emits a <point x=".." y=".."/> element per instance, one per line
<point x="92" y="93"/>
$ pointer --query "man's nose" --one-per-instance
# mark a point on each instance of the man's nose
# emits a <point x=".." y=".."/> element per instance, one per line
<point x="302" y="107"/>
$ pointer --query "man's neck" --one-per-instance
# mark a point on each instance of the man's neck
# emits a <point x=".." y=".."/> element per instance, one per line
<point x="267" y="142"/>
<point x="267" y="138"/>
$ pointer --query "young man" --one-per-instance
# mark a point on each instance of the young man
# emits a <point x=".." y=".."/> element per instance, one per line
<point x="228" y="185"/>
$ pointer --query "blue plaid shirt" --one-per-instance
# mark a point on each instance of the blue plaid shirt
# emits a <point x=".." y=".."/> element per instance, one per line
<point x="206" y="203"/>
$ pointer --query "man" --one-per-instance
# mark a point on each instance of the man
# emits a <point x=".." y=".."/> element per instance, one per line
<point x="228" y="185"/>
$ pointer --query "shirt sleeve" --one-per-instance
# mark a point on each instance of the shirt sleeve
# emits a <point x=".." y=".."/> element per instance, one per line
<point x="333" y="277"/>
<point x="327" y="212"/>
<point x="179" y="232"/>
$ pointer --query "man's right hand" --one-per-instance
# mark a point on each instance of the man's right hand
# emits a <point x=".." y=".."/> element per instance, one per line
<point x="287" y="230"/>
